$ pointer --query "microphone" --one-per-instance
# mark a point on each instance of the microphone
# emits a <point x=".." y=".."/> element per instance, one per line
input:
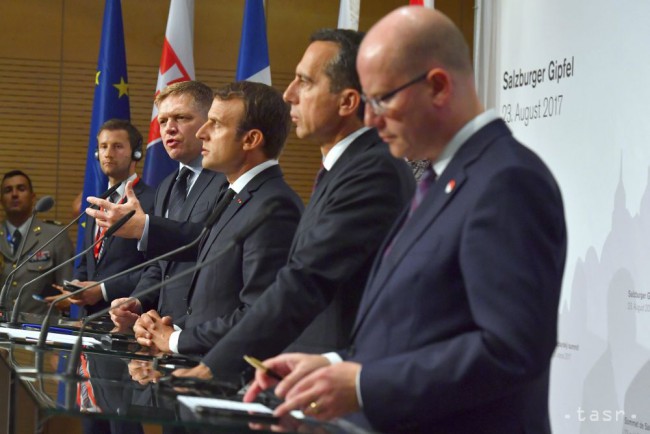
<point x="109" y="233"/>
<point x="243" y="234"/>
<point x="211" y="220"/>
<point x="5" y="286"/>
<point x="44" y="204"/>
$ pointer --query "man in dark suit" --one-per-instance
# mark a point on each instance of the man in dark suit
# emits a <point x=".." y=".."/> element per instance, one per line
<point x="458" y="321"/>
<point x="359" y="193"/>
<point x="119" y="148"/>
<point x="186" y="195"/>
<point x="247" y="127"/>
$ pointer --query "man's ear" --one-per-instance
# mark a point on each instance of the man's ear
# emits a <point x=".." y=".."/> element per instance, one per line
<point x="252" y="139"/>
<point x="441" y="86"/>
<point x="349" y="102"/>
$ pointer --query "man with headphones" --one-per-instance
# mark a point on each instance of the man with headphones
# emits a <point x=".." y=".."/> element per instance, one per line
<point x="119" y="148"/>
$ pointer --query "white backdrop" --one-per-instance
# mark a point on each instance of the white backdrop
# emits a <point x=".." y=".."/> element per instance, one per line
<point x="592" y="127"/>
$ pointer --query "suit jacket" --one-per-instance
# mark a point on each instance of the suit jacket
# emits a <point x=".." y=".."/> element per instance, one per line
<point x="118" y="255"/>
<point x="314" y="298"/>
<point x="457" y="325"/>
<point x="172" y="299"/>
<point x="47" y="258"/>
<point x="223" y="291"/>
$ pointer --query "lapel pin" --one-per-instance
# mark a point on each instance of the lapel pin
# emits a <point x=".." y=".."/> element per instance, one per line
<point x="238" y="201"/>
<point x="450" y="186"/>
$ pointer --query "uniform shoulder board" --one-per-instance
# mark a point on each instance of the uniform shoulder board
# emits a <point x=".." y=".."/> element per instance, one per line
<point x="54" y="222"/>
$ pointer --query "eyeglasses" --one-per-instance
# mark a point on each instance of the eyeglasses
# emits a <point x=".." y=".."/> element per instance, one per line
<point x="378" y="103"/>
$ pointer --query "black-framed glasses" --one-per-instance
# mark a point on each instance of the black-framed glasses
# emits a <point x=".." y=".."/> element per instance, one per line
<point x="378" y="103"/>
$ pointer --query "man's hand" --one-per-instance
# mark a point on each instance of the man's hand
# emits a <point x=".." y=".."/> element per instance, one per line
<point x="153" y="331"/>
<point x="142" y="372"/>
<point x="88" y="297"/>
<point x="128" y="312"/>
<point x="292" y="367"/>
<point x="62" y="306"/>
<point x="324" y="394"/>
<point x="109" y="213"/>
<point x="199" y="371"/>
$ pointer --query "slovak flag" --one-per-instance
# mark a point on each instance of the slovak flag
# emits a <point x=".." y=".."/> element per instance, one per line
<point x="176" y="64"/>
<point x="425" y="3"/>
<point x="349" y="14"/>
<point x="253" y="63"/>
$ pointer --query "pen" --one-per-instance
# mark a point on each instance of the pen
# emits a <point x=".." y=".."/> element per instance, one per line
<point x="255" y="363"/>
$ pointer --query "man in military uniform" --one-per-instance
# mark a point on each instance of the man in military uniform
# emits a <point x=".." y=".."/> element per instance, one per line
<point x="18" y="200"/>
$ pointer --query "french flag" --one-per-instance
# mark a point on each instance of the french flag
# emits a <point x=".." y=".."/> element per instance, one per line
<point x="176" y="64"/>
<point x="253" y="63"/>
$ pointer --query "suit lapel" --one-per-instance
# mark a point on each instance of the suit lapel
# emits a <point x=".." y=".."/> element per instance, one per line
<point x="199" y="185"/>
<point x="440" y="194"/>
<point x="238" y="202"/>
<point x="5" y="248"/>
<point x="32" y="238"/>
<point x="162" y="193"/>
<point x="360" y="144"/>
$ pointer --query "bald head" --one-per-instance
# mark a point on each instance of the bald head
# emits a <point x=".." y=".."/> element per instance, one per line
<point x="416" y="73"/>
<point x="415" y="38"/>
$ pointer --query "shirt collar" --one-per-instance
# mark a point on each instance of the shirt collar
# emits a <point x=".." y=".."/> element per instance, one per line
<point x="23" y="228"/>
<point x="244" y="179"/>
<point x="337" y="150"/>
<point x="196" y="168"/>
<point x="461" y="137"/>
<point x="122" y="187"/>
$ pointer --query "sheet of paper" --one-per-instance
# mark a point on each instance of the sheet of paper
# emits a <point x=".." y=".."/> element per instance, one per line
<point x="192" y="402"/>
<point x="51" y="336"/>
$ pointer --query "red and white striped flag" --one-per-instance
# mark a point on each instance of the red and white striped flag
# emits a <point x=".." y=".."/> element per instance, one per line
<point x="176" y="64"/>
<point x="349" y="14"/>
<point x="425" y="3"/>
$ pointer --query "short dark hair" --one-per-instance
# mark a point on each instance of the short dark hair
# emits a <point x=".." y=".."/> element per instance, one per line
<point x="342" y="69"/>
<point x="200" y="92"/>
<point x="135" y="138"/>
<point x="264" y="110"/>
<point x="13" y="173"/>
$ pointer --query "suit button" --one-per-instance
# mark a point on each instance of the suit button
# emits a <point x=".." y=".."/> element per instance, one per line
<point x="14" y="283"/>
<point x="167" y="277"/>
<point x="189" y="311"/>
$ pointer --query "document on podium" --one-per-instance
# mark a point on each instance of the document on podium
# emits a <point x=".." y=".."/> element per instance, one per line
<point x="197" y="402"/>
<point x="58" y="338"/>
<point x="224" y="407"/>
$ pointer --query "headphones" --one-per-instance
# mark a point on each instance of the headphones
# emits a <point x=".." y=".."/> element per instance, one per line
<point x="136" y="152"/>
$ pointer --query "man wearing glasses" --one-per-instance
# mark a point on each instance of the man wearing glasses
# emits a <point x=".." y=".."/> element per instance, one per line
<point x="458" y="321"/>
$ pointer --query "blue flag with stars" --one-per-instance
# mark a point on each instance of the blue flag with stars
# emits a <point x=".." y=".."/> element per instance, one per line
<point x="111" y="99"/>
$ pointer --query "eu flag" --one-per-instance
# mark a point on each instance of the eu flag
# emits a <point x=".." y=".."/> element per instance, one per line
<point x="111" y="99"/>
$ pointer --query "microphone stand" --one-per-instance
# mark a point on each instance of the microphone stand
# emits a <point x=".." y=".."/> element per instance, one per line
<point x="43" y="205"/>
<point x="5" y="286"/>
<point x="211" y="220"/>
<point x="71" y="371"/>
<point x="109" y="232"/>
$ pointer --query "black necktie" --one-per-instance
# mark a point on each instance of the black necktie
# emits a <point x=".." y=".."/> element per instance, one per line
<point x="178" y="194"/>
<point x="16" y="238"/>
